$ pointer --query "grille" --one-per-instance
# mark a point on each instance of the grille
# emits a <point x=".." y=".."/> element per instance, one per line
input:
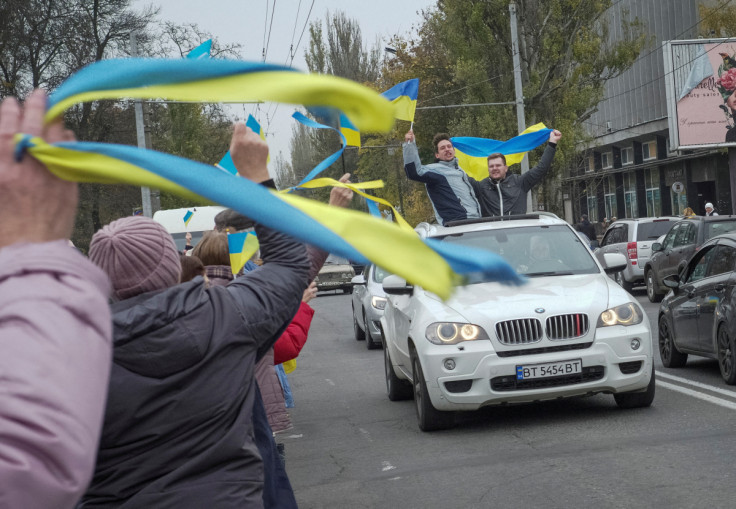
<point x="629" y="368"/>
<point x="458" y="385"/>
<point x="510" y="383"/>
<point x="519" y="332"/>
<point x="547" y="349"/>
<point x="567" y="326"/>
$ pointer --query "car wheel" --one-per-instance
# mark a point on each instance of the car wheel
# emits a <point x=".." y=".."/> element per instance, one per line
<point x="359" y="333"/>
<point x="370" y="344"/>
<point x="621" y="280"/>
<point x="652" y="292"/>
<point x="397" y="389"/>
<point x="429" y="418"/>
<point x="637" y="399"/>
<point x="726" y="356"/>
<point x="347" y="290"/>
<point x="668" y="352"/>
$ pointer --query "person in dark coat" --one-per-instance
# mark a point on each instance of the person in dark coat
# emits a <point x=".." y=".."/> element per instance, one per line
<point x="588" y="229"/>
<point x="178" y="428"/>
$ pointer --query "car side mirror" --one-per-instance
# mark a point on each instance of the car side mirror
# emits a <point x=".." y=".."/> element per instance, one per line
<point x="397" y="285"/>
<point x="672" y="281"/>
<point x="656" y="246"/>
<point x="613" y="262"/>
<point x="358" y="280"/>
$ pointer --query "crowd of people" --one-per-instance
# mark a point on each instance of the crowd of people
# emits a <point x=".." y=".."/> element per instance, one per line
<point x="141" y="377"/>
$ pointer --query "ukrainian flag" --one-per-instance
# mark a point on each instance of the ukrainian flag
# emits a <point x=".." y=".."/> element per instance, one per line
<point x="188" y="217"/>
<point x="242" y="246"/>
<point x="227" y="164"/>
<point x="472" y="153"/>
<point x="253" y="124"/>
<point x="404" y="97"/>
<point x="351" y="133"/>
<point x="201" y="51"/>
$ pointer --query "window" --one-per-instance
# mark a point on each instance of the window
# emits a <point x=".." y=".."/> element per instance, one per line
<point x="651" y="183"/>
<point x="609" y="196"/>
<point x="630" y="195"/>
<point x="591" y="163"/>
<point x="696" y="268"/>
<point x="723" y="261"/>
<point x="592" y="202"/>
<point x="607" y="160"/>
<point x="627" y="156"/>
<point x="649" y="150"/>
<point x="685" y="235"/>
<point x="669" y="240"/>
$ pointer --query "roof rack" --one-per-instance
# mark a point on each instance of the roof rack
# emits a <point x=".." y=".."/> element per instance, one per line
<point x="492" y="219"/>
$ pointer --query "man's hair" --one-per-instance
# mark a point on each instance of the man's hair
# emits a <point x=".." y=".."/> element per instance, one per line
<point x="438" y="138"/>
<point x="497" y="155"/>
<point x="213" y="249"/>
<point x="228" y="218"/>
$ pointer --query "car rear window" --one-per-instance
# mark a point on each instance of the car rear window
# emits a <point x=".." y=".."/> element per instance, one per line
<point x="718" y="227"/>
<point x="653" y="230"/>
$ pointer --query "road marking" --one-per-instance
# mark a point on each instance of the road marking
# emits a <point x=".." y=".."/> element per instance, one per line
<point x="387" y="466"/>
<point x="329" y="381"/>
<point x="295" y="436"/>
<point x="701" y="385"/>
<point x="366" y="434"/>
<point x="699" y="395"/>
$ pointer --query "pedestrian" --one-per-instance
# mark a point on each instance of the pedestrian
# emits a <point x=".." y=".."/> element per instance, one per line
<point x="503" y="193"/>
<point x="588" y="229"/>
<point x="55" y="327"/>
<point x="178" y="429"/>
<point x="709" y="210"/>
<point x="448" y="186"/>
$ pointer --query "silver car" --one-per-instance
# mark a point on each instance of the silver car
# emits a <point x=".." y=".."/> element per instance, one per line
<point x="369" y="300"/>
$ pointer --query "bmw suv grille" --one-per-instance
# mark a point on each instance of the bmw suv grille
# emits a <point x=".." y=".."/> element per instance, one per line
<point x="567" y="326"/>
<point x="519" y="332"/>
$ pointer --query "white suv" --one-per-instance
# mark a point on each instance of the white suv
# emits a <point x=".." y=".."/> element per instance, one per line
<point x="569" y="331"/>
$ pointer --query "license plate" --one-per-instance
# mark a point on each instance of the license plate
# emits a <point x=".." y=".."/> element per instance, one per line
<point x="548" y="369"/>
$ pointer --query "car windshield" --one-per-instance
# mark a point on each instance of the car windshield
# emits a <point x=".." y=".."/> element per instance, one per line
<point x="379" y="274"/>
<point x="336" y="260"/>
<point x="534" y="251"/>
<point x="718" y="227"/>
<point x="653" y="230"/>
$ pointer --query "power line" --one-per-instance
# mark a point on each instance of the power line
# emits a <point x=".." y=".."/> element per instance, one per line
<point x="270" y="28"/>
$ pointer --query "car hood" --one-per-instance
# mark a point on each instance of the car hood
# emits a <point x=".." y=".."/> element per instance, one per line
<point x="586" y="293"/>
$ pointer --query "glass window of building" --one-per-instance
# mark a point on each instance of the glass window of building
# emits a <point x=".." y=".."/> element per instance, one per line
<point x="609" y="195"/>
<point x="649" y="150"/>
<point x="591" y="163"/>
<point x="627" y="156"/>
<point x="630" y="195"/>
<point x="607" y="160"/>
<point x="651" y="184"/>
<point x="592" y="202"/>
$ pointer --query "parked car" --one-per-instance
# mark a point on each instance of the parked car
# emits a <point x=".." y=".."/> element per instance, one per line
<point x="336" y="274"/>
<point x="683" y="240"/>
<point x="369" y="301"/>
<point x="698" y="317"/>
<point x="633" y="238"/>
<point x="569" y="331"/>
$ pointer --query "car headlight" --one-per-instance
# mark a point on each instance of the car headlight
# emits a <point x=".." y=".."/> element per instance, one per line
<point x="345" y="275"/>
<point x="378" y="302"/>
<point x="451" y="333"/>
<point x="625" y="314"/>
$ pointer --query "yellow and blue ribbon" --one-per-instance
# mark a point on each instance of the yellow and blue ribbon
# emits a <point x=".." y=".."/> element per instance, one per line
<point x="201" y="51"/>
<point x="351" y="133"/>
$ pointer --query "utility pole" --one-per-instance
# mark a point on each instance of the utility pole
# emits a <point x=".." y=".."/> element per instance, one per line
<point x="520" y="120"/>
<point x="150" y="198"/>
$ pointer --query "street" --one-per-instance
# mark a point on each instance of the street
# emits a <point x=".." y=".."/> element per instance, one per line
<point x="353" y="448"/>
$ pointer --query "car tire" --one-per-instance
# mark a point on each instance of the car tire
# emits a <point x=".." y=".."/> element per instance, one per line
<point x="637" y="399"/>
<point x="359" y="333"/>
<point x="428" y="417"/>
<point x="347" y="290"/>
<point x="653" y="292"/>
<point x="726" y="355"/>
<point x="370" y="344"/>
<point x="396" y="388"/>
<point x="621" y="280"/>
<point x="669" y="354"/>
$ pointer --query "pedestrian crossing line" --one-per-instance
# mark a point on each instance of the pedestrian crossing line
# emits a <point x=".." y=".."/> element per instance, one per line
<point x="700" y="385"/>
<point x="699" y="395"/>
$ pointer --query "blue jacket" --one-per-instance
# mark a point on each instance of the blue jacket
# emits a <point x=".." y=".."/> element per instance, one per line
<point x="448" y="186"/>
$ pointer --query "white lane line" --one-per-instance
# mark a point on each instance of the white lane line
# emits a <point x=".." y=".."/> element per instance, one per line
<point x="387" y="466"/>
<point x="701" y="385"/>
<point x="699" y="395"/>
<point x="329" y="381"/>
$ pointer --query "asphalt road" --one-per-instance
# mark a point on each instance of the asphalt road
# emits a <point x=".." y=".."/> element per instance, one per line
<point x="353" y="448"/>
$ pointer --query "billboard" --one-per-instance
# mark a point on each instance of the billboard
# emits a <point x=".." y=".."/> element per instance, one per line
<point x="701" y="93"/>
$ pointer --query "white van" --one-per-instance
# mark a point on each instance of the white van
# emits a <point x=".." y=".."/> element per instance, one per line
<point x="203" y="219"/>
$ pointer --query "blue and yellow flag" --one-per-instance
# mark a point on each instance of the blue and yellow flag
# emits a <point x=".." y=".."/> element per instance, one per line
<point x="404" y="98"/>
<point x="472" y="153"/>
<point x="242" y="247"/>
<point x="351" y="133"/>
<point x="227" y="164"/>
<point x="201" y="51"/>
<point x="188" y="217"/>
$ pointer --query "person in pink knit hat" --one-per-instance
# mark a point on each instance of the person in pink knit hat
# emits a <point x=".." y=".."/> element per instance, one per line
<point x="55" y="327"/>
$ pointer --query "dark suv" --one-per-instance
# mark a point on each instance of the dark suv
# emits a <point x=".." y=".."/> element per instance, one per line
<point x="678" y="246"/>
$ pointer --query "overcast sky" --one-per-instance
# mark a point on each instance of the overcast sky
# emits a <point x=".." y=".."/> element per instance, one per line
<point x="246" y="21"/>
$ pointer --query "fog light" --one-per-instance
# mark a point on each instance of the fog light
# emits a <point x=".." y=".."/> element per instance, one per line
<point x="449" y="364"/>
<point x="635" y="344"/>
